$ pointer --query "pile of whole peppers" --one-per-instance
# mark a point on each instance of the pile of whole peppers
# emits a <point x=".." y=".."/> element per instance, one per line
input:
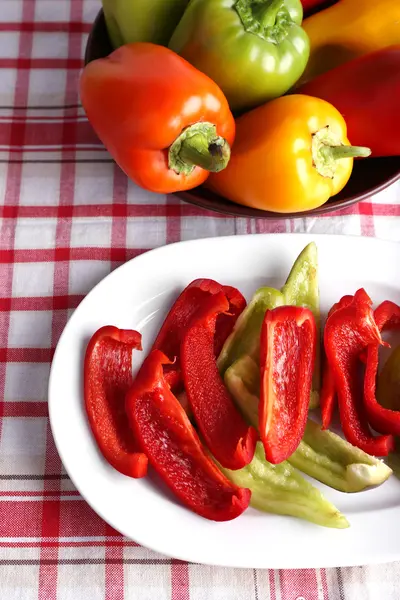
<point x="246" y="97"/>
<point x="220" y="406"/>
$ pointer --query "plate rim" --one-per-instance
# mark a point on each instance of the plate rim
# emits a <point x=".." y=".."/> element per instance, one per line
<point x="379" y="558"/>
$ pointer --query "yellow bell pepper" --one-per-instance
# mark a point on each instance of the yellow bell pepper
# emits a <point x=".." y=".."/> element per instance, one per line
<point x="290" y="155"/>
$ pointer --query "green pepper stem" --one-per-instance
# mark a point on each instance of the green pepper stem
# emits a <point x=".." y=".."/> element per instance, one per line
<point x="199" y="145"/>
<point x="338" y="152"/>
<point x="262" y="17"/>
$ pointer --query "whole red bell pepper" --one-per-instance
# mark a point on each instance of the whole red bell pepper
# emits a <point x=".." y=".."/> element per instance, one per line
<point x="348" y="331"/>
<point x="107" y="378"/>
<point x="366" y="91"/>
<point x="169" y="337"/>
<point x="226" y="434"/>
<point x="287" y="356"/>
<point x="164" y="122"/>
<point x="328" y="392"/>
<point x="384" y="420"/>
<point x="174" y="448"/>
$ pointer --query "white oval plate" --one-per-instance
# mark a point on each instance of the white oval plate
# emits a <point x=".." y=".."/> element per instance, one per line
<point x="137" y="295"/>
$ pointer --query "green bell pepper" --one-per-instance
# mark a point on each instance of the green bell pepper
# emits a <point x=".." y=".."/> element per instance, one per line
<point x="280" y="489"/>
<point x="321" y="454"/>
<point x="142" y="20"/>
<point x="300" y="289"/>
<point x="255" y="50"/>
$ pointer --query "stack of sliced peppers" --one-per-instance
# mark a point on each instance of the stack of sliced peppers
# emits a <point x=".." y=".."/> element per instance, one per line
<point x="162" y="101"/>
<point x="246" y="377"/>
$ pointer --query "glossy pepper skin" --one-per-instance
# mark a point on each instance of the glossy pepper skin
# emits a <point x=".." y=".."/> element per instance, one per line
<point x="228" y="437"/>
<point x="328" y="392"/>
<point x="310" y="6"/>
<point x="366" y="90"/>
<point x="322" y="455"/>
<point x="280" y="489"/>
<point x="384" y="420"/>
<point x="290" y="155"/>
<point x="107" y="378"/>
<point x="350" y="29"/>
<point x="157" y="123"/>
<point x="287" y="357"/>
<point x="301" y="289"/>
<point x="348" y="331"/>
<point x="182" y="311"/>
<point x="142" y="20"/>
<point x="174" y="448"/>
<point x="254" y="51"/>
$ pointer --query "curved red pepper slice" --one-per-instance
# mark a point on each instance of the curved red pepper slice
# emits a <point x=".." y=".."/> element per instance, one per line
<point x="328" y="392"/>
<point x="384" y="420"/>
<point x="107" y="378"/>
<point x="169" y="337"/>
<point x="287" y="356"/>
<point x="348" y="331"/>
<point x="174" y="448"/>
<point x="226" y="433"/>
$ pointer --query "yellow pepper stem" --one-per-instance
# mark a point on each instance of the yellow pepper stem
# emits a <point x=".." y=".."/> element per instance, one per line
<point x="338" y="152"/>
<point x="327" y="148"/>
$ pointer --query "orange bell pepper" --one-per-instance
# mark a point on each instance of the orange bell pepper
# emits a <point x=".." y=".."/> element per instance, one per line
<point x="348" y="29"/>
<point x="290" y="155"/>
<point x="164" y="122"/>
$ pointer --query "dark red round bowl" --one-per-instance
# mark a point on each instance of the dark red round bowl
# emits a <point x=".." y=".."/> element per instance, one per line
<point x="368" y="178"/>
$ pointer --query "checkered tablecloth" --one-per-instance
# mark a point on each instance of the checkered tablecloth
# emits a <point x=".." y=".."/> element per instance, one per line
<point x="68" y="217"/>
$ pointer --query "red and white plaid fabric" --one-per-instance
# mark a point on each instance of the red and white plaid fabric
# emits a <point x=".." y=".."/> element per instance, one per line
<point x="68" y="217"/>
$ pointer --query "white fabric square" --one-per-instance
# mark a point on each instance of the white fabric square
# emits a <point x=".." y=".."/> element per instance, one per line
<point x="9" y="43"/>
<point x="11" y="11"/>
<point x="30" y="329"/>
<point x="140" y="235"/>
<point x="47" y="86"/>
<point x="26" y="382"/>
<point x="33" y="279"/>
<point x="85" y="274"/>
<point x="193" y="228"/>
<point x="94" y="183"/>
<point x="40" y="185"/>
<point x="35" y="233"/>
<point x="22" y="436"/>
<point x="147" y="582"/>
<point x="80" y="581"/>
<point x="137" y="195"/>
<point x="48" y="44"/>
<point x="7" y="88"/>
<point x="51" y="10"/>
<point x="86" y="232"/>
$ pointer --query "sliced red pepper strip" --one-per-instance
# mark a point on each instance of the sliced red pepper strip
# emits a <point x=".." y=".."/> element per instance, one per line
<point x="348" y="331"/>
<point x="107" y="378"/>
<point x="328" y="392"/>
<point x="384" y="420"/>
<point x="174" y="448"/>
<point x="178" y="318"/>
<point x="287" y="356"/>
<point x="226" y="433"/>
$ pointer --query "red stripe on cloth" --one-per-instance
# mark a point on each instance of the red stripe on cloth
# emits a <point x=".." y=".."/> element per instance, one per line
<point x="119" y="216"/>
<point x="269" y="226"/>
<point x="25" y="409"/>
<point x="33" y="355"/>
<point x="173" y="213"/>
<point x="271" y="579"/>
<point x="54" y="134"/>
<point x="366" y="213"/>
<point x="44" y="494"/>
<point x="324" y="582"/>
<point x="298" y="583"/>
<point x="67" y="254"/>
<point x="114" y="569"/>
<point x="24" y="519"/>
<point x="37" y="303"/>
<point x="68" y="544"/>
<point x="46" y="26"/>
<point x="25" y="64"/>
<point x="180" y="586"/>
<point x="77" y="519"/>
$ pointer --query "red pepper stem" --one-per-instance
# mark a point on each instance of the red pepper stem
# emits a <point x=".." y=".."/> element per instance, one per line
<point x="199" y="145"/>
